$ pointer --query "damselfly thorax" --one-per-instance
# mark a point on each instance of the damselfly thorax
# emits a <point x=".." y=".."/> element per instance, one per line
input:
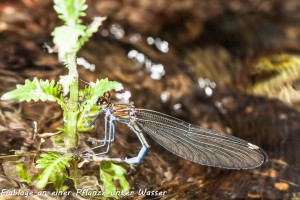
<point x="200" y="145"/>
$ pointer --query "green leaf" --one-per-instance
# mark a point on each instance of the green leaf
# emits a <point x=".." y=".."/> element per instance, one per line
<point x="58" y="139"/>
<point x="110" y="172"/>
<point x="91" y="29"/>
<point x="17" y="170"/>
<point x="96" y="90"/>
<point x="54" y="165"/>
<point x="66" y="38"/>
<point x="70" y="10"/>
<point x="89" y="97"/>
<point x="58" y="182"/>
<point x="102" y="86"/>
<point x="35" y="90"/>
<point x="24" y="174"/>
<point x="70" y="37"/>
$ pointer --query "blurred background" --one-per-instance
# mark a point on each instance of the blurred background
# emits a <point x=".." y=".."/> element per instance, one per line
<point x="231" y="66"/>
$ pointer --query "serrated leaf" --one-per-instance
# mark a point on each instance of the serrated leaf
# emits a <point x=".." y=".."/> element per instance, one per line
<point x="24" y="173"/>
<point x="34" y="90"/>
<point x="54" y="165"/>
<point x="99" y="88"/>
<point x="90" y="95"/>
<point x="91" y="29"/>
<point x="66" y="38"/>
<point x="70" y="37"/>
<point x="110" y="172"/>
<point x="70" y="11"/>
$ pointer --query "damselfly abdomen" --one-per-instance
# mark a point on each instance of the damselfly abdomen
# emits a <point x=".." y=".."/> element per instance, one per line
<point x="200" y="145"/>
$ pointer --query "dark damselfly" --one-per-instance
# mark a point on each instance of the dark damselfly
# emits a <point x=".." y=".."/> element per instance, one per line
<point x="200" y="145"/>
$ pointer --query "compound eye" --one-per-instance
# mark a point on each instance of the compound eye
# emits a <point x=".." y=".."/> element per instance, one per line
<point x="104" y="102"/>
<point x="101" y="102"/>
<point x="106" y="95"/>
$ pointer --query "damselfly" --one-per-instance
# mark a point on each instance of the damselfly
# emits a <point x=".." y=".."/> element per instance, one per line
<point x="200" y="145"/>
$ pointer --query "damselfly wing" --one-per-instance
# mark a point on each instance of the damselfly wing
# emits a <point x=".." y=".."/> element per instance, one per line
<point x="203" y="146"/>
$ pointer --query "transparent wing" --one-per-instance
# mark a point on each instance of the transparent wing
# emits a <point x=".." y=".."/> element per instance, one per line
<point x="200" y="145"/>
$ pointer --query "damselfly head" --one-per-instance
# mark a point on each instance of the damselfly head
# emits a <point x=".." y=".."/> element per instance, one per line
<point x="104" y="101"/>
<point x="106" y="95"/>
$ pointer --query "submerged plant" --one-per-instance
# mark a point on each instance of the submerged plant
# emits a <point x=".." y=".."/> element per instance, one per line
<point x="55" y="167"/>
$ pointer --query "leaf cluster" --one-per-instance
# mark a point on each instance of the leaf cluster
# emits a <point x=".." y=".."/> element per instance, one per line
<point x="71" y="36"/>
<point x="71" y="10"/>
<point x="54" y="167"/>
<point x="54" y="164"/>
<point x="40" y="90"/>
<point x="89" y="96"/>
<point x="110" y="173"/>
<point x="34" y="90"/>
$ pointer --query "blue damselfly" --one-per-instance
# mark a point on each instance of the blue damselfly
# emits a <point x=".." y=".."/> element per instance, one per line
<point x="200" y="145"/>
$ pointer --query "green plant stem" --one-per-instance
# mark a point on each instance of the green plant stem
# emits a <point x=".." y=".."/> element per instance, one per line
<point x="71" y="138"/>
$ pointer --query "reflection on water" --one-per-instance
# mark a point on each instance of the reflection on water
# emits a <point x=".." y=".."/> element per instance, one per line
<point x="157" y="70"/>
<point x="177" y="106"/>
<point x="104" y="32"/>
<point x="161" y="45"/>
<point x="83" y="62"/>
<point x="124" y="97"/>
<point x="117" y="31"/>
<point x="134" y="37"/>
<point x="207" y="85"/>
<point x="164" y="96"/>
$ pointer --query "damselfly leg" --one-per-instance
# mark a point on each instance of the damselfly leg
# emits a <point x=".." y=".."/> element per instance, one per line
<point x="105" y="140"/>
<point x="109" y="136"/>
